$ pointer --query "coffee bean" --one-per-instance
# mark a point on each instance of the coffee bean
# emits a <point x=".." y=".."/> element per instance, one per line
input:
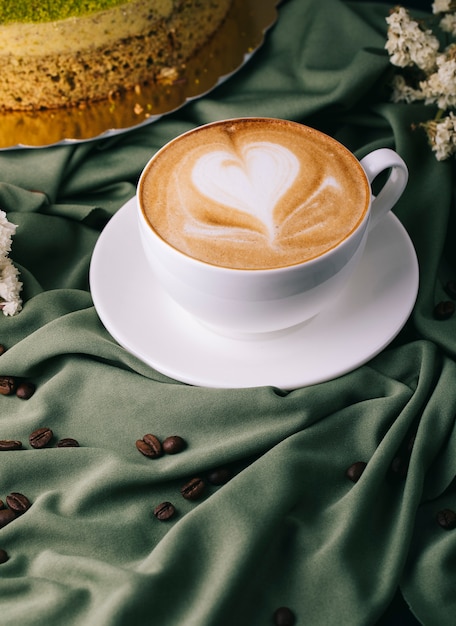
<point x="444" y="310"/>
<point x="194" y="489"/>
<point x="18" y="503"/>
<point x="220" y="476"/>
<point x="68" y="442"/>
<point x="3" y="556"/>
<point x="174" y="444"/>
<point x="446" y="519"/>
<point x="7" y="385"/>
<point x="150" y="446"/>
<point x="25" y="390"/>
<point x="2" y="349"/>
<point x="283" y="616"/>
<point x="40" y="437"/>
<point x="10" y="444"/>
<point x="164" y="511"/>
<point x="450" y="288"/>
<point x="355" y="471"/>
<point x="2" y="504"/>
<point x="6" y="516"/>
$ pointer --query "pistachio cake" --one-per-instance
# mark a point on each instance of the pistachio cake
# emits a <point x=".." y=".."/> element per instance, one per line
<point x="63" y="53"/>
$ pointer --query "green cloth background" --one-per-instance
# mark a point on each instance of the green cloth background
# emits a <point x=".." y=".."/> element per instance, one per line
<point x="289" y="528"/>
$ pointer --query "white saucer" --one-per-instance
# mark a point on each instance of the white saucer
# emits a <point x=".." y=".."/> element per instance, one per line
<point x="146" y="322"/>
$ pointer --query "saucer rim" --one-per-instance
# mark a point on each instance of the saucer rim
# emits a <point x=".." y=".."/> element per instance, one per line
<point x="206" y="375"/>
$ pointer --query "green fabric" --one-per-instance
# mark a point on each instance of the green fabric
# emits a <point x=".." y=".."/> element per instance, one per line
<point x="289" y="528"/>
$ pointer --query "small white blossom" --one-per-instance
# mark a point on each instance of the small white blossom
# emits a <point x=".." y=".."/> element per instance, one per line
<point x="7" y="230"/>
<point x="440" y="87"/>
<point x="10" y="287"/>
<point x="448" y="24"/>
<point x="403" y="92"/>
<point x="432" y="78"/>
<point x="408" y="44"/>
<point x="442" y="136"/>
<point x="442" y="6"/>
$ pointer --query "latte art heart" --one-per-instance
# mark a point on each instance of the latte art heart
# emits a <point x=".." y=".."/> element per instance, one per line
<point x="254" y="193"/>
<point x="252" y="182"/>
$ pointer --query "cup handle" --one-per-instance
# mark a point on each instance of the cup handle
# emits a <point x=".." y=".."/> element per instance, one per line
<point x="375" y="163"/>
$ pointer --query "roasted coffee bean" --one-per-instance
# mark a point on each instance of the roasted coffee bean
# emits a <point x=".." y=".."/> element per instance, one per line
<point x="2" y="504"/>
<point x="40" y="437"/>
<point x="6" y="516"/>
<point x="283" y="616"/>
<point x="10" y="444"/>
<point x="194" y="489"/>
<point x="3" y="556"/>
<point x="68" y="442"/>
<point x="164" y="511"/>
<point x="446" y="519"/>
<point x="220" y="476"/>
<point x="444" y="310"/>
<point x="174" y="444"/>
<point x="355" y="471"/>
<point x="7" y="385"/>
<point x="2" y="349"/>
<point x="25" y="390"/>
<point x="450" y="288"/>
<point x="18" y="503"/>
<point x="150" y="446"/>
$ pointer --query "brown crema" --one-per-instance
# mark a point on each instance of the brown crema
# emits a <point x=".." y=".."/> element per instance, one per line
<point x="254" y="193"/>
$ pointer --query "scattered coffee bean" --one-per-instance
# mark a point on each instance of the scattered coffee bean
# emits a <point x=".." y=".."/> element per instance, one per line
<point x="450" y="288"/>
<point x="3" y="556"/>
<point x="446" y="519"/>
<point x="6" y="516"/>
<point x="10" y="444"/>
<point x="68" y="442"/>
<point x="25" y="390"/>
<point x="2" y="504"/>
<point x="150" y="446"/>
<point x="18" y="503"/>
<point x="174" y="444"/>
<point x="194" y="489"/>
<point x="220" y="476"/>
<point x="283" y="616"/>
<point x="355" y="471"/>
<point x="2" y="349"/>
<point x="40" y="437"/>
<point x="444" y="310"/>
<point x="164" y="511"/>
<point x="7" y="385"/>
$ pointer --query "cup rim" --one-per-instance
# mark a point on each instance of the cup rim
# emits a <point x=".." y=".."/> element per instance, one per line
<point x="363" y="223"/>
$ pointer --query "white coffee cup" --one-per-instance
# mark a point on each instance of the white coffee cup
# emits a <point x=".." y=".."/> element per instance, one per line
<point x="245" y="301"/>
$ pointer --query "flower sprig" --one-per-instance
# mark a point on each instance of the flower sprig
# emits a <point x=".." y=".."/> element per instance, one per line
<point x="428" y="64"/>
<point x="10" y="286"/>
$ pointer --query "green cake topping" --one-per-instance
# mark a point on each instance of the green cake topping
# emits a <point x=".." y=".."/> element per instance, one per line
<point x="50" y="10"/>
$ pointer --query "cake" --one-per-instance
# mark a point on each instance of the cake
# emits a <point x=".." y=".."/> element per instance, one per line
<point x="65" y="53"/>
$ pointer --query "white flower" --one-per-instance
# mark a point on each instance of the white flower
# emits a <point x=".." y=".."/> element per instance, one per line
<point x="403" y="92"/>
<point x="448" y="24"/>
<point x="407" y="44"/>
<point x="442" y="136"/>
<point x="7" y="230"/>
<point x="442" y="6"/>
<point x="10" y="287"/>
<point x="440" y="87"/>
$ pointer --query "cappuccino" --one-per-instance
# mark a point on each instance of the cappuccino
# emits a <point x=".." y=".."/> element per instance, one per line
<point x="254" y="193"/>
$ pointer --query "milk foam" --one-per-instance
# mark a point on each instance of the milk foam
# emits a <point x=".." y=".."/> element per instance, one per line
<point x="255" y="195"/>
<point x="251" y="182"/>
